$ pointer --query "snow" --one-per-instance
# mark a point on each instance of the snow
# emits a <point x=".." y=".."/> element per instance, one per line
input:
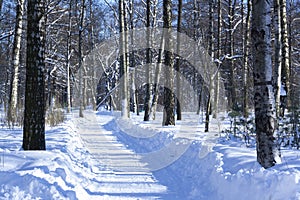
<point x="103" y="156"/>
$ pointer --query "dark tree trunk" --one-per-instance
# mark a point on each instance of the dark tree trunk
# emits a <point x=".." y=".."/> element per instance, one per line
<point x="147" y="103"/>
<point x="207" y="113"/>
<point x="34" y="114"/>
<point x="178" y="80"/>
<point x="1" y="3"/>
<point x="81" y="79"/>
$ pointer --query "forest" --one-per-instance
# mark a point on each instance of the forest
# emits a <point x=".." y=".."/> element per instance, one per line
<point x="204" y="56"/>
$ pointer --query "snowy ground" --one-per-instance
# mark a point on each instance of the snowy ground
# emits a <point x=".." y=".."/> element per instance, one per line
<point x="105" y="157"/>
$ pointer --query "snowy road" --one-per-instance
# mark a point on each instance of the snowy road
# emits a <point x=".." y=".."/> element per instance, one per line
<point x="122" y="171"/>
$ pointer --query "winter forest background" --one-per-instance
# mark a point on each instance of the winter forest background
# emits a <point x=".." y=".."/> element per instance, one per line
<point x="46" y="48"/>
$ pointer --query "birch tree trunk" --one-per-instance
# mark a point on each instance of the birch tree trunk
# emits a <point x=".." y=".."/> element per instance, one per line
<point x="285" y="52"/>
<point x="147" y="103"/>
<point x="12" y="106"/>
<point x="169" y="103"/>
<point x="246" y="57"/>
<point x="123" y="62"/>
<point x="92" y="84"/>
<point x="34" y="114"/>
<point x="68" y="58"/>
<point x="157" y="77"/>
<point x="265" y="115"/>
<point x="277" y="56"/>
<point x="133" y="90"/>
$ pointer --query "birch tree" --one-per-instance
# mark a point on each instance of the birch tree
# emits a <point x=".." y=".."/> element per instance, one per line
<point x="12" y="106"/>
<point x="123" y="62"/>
<point x="277" y="56"/>
<point x="34" y="114"/>
<point x="68" y="56"/>
<point x="157" y="77"/>
<point x="285" y="51"/>
<point x="169" y="103"/>
<point x="147" y="103"/>
<point x="265" y="116"/>
<point x="246" y="57"/>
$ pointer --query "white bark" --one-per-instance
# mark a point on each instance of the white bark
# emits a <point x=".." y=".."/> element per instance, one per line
<point x="123" y="63"/>
<point x="278" y="54"/>
<point x="285" y="51"/>
<point x="16" y="62"/>
<point x="68" y="59"/>
<point x="265" y="115"/>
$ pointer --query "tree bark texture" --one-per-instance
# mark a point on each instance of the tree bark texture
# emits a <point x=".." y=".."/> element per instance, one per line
<point x="178" y="63"/>
<point x="147" y="103"/>
<point x="169" y="102"/>
<point x="34" y="114"/>
<point x="246" y="57"/>
<point x="285" y="52"/>
<point x="277" y="56"/>
<point x="81" y="79"/>
<point x="12" y="107"/>
<point x="264" y="102"/>
<point x="123" y="62"/>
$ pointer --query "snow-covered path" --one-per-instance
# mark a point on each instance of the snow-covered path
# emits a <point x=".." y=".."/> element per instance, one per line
<point x="121" y="170"/>
<point x="104" y="157"/>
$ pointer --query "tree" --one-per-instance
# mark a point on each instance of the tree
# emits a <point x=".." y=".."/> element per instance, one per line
<point x="169" y="102"/>
<point x="246" y="59"/>
<point x="211" y="78"/>
<point x="34" y="114"/>
<point x="68" y="56"/>
<point x="285" y="52"/>
<point x="157" y="77"/>
<point x="13" y="101"/>
<point x="264" y="103"/>
<point x="123" y="61"/>
<point x="218" y="52"/>
<point x="231" y="49"/>
<point x="147" y="103"/>
<point x="277" y="56"/>
<point x="1" y="3"/>
<point x="81" y="66"/>
<point x="178" y="86"/>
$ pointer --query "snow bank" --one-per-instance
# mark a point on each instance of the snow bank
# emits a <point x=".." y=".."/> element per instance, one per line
<point x="61" y="172"/>
<point x="204" y="166"/>
<point x="227" y="170"/>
